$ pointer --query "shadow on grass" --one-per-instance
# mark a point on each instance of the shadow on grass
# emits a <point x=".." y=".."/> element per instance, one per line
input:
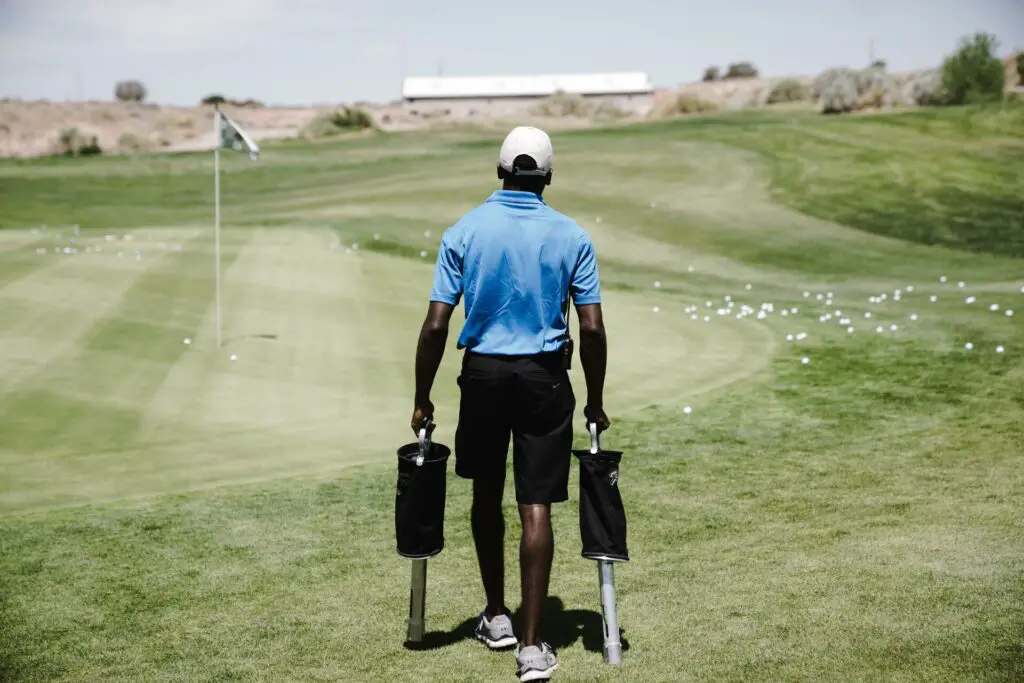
<point x="561" y="628"/>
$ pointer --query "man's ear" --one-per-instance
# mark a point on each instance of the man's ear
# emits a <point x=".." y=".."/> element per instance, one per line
<point x="501" y="172"/>
<point x="547" y="179"/>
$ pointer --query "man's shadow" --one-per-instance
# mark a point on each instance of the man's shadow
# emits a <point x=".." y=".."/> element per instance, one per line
<point x="561" y="628"/>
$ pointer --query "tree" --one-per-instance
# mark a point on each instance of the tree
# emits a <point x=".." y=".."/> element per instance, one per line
<point x="973" y="73"/>
<point x="130" y="91"/>
<point x="741" y="70"/>
<point x="712" y="73"/>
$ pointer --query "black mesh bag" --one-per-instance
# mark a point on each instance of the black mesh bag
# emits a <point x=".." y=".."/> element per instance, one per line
<point x="419" y="500"/>
<point x="602" y="516"/>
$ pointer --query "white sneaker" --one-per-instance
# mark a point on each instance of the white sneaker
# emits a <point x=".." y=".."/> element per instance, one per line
<point x="536" y="663"/>
<point x="495" y="633"/>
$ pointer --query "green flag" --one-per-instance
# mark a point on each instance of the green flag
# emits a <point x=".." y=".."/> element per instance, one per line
<point x="233" y="137"/>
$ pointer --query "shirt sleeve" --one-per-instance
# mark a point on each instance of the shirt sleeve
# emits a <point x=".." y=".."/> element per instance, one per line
<point x="448" y="270"/>
<point x="586" y="284"/>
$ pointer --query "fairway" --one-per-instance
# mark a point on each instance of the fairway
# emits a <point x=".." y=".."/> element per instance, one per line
<point x="842" y="503"/>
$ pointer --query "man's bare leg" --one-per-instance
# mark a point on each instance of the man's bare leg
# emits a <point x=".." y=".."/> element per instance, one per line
<point x="488" y="524"/>
<point x="535" y="552"/>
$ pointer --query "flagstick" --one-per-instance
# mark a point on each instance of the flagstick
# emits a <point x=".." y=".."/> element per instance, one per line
<point x="216" y="210"/>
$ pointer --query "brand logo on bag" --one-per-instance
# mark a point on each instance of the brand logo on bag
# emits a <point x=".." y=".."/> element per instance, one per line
<point x="613" y="478"/>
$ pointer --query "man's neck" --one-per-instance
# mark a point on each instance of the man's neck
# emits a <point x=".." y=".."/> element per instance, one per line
<point x="509" y="187"/>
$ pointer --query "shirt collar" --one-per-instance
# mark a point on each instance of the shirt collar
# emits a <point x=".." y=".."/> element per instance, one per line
<point x="516" y="197"/>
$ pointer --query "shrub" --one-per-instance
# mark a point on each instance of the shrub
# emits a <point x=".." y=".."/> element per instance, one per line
<point x="130" y="91"/>
<point x="337" y="122"/>
<point x="712" y="73"/>
<point x="213" y="100"/>
<point x="878" y="64"/>
<point x="825" y="79"/>
<point x="840" y="95"/>
<point x="973" y="73"/>
<point x="247" y="104"/>
<point x="130" y="142"/>
<point x="741" y="70"/>
<point x="683" y="103"/>
<point x="787" y="90"/>
<point x="562" y="103"/>
<point x="73" y="143"/>
<point x="925" y="89"/>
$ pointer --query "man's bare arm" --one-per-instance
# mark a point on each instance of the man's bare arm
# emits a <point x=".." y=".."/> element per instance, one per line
<point x="594" y="359"/>
<point x="430" y="348"/>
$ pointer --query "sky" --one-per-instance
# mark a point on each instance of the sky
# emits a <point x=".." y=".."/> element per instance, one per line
<point x="331" y="51"/>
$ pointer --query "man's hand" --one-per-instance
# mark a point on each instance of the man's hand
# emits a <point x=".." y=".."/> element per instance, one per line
<point x="423" y="410"/>
<point x="596" y="415"/>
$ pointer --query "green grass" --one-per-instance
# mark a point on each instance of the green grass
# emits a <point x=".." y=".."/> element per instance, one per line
<point x="169" y="514"/>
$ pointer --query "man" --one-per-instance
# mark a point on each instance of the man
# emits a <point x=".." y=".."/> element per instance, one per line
<point x="516" y="260"/>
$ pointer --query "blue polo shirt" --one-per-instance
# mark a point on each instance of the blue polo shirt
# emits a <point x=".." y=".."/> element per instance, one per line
<point x="513" y="258"/>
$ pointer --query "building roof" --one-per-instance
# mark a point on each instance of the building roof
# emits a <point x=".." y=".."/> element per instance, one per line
<point x="520" y="86"/>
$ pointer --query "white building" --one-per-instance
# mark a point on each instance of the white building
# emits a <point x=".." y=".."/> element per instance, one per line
<point x="489" y="88"/>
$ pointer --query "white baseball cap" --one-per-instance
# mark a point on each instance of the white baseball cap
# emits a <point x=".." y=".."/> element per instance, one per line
<point x="534" y="143"/>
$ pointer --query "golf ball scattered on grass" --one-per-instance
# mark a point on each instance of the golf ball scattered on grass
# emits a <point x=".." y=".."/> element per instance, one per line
<point x="969" y="300"/>
<point x="849" y="330"/>
<point x="933" y="298"/>
<point x="657" y="284"/>
<point x="376" y="235"/>
<point x="789" y="337"/>
<point x="423" y="254"/>
<point x="879" y="329"/>
<point x="687" y="409"/>
<point x="960" y="284"/>
<point x="867" y="314"/>
<point x="993" y="307"/>
<point x="913" y="316"/>
<point x="942" y="279"/>
<point x="1009" y="312"/>
<point x="999" y="349"/>
<point x="805" y="360"/>
<point x="748" y="287"/>
<point x="656" y="309"/>
<point x="894" y="327"/>
<point x="234" y="357"/>
<point x="187" y="341"/>
<point x="426" y="233"/>
<point x="968" y="346"/>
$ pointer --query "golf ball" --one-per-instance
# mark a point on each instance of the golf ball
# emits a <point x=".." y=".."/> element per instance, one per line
<point x="687" y="409"/>
<point x="793" y="310"/>
<point x="657" y="284"/>
<point x="599" y="219"/>
<point x="942" y="279"/>
<point x="805" y="360"/>
<point x="819" y="297"/>
<point x="789" y="337"/>
<point x="234" y="357"/>
<point x="807" y="294"/>
<point x="910" y="288"/>
<point x="187" y="341"/>
<point x="994" y="307"/>
<point x="689" y="269"/>
<point x="878" y="329"/>
<point x="913" y="316"/>
<point x="1009" y="311"/>
<point x="423" y="254"/>
<point x="655" y="309"/>
<point x="960" y="284"/>
<point x="999" y="349"/>
<point x="968" y="346"/>
<point x="867" y="314"/>
<point x="933" y="298"/>
<point x="376" y="235"/>
<point x="748" y="287"/>
<point x="426" y="233"/>
<point x="969" y="300"/>
<point x="785" y="312"/>
<point x="894" y="327"/>
<point x="707" y="318"/>
<point x="849" y="330"/>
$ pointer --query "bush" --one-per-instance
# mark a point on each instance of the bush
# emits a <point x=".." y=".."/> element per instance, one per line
<point x="925" y="89"/>
<point x="840" y="95"/>
<point x="337" y="122"/>
<point x="973" y="74"/>
<point x="712" y="73"/>
<point x="741" y="70"/>
<point x="130" y="91"/>
<point x="562" y="103"/>
<point x="130" y="142"/>
<point x="787" y="90"/>
<point x="73" y="143"/>
<point x="878" y="64"/>
<point x="213" y="100"/>
<point x="683" y="104"/>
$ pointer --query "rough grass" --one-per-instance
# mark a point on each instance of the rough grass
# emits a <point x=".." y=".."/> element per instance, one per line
<point x="170" y="515"/>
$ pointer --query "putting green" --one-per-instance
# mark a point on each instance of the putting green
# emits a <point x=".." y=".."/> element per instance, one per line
<point x="111" y="403"/>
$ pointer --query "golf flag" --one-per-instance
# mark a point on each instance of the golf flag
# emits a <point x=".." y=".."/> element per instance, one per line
<point x="233" y="137"/>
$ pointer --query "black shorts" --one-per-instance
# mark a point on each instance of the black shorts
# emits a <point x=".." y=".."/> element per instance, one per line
<point x="528" y="399"/>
